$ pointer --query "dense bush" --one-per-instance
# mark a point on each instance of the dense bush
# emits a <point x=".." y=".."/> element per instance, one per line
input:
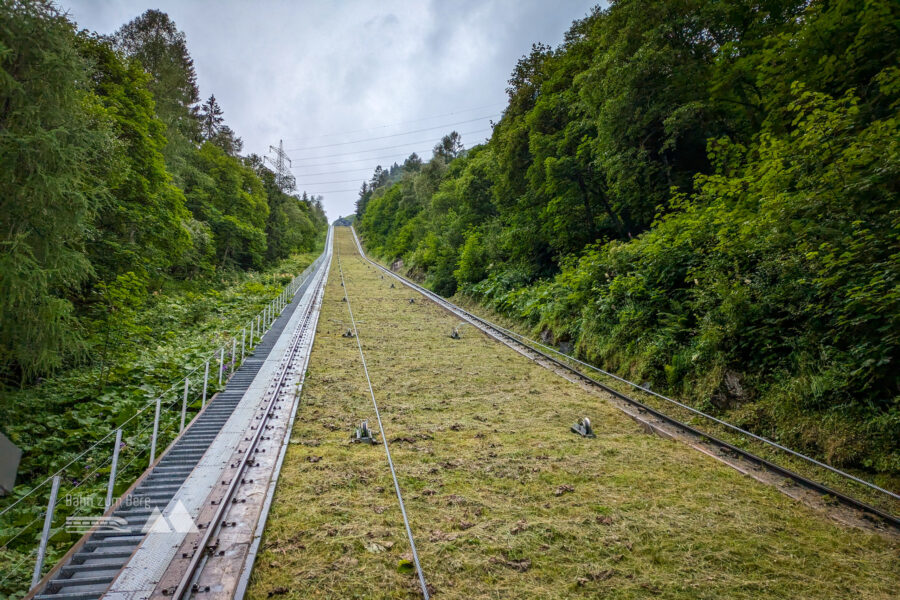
<point x="698" y="195"/>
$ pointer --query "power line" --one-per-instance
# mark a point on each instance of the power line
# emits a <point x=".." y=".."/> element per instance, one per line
<point x="384" y="137"/>
<point x="386" y="158"/>
<point x="389" y="147"/>
<point x="322" y="193"/>
<point x="330" y="182"/>
<point x="361" y="169"/>
<point x="347" y="162"/>
<point x="376" y="127"/>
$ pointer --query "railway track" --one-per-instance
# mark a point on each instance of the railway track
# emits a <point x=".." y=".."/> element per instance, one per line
<point x="739" y="458"/>
<point x="191" y="525"/>
<point x="192" y="522"/>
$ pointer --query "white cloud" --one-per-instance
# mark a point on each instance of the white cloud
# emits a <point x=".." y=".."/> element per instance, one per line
<point x="305" y="71"/>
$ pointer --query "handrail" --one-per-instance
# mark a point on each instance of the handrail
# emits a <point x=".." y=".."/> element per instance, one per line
<point x="272" y="307"/>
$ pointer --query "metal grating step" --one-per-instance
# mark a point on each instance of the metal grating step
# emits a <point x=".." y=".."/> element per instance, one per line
<point x="89" y="571"/>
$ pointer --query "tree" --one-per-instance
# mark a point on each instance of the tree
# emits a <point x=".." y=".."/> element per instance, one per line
<point x="364" y="195"/>
<point x="412" y="164"/>
<point x="213" y="128"/>
<point x="211" y="119"/>
<point x="228" y="141"/>
<point x="142" y="229"/>
<point x="56" y="150"/>
<point x="449" y="147"/>
<point x="155" y="41"/>
<point x="229" y="196"/>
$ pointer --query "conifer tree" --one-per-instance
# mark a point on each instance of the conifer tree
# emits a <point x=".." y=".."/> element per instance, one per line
<point x="210" y="118"/>
<point x="55" y="147"/>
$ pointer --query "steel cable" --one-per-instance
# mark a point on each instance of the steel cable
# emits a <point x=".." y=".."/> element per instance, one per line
<point x="387" y="450"/>
<point x="524" y="340"/>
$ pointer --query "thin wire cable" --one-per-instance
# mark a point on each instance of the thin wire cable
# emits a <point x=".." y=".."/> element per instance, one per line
<point x="660" y="396"/>
<point x="387" y="450"/>
<point x="86" y="478"/>
<point x="323" y="192"/>
<point x="384" y="157"/>
<point x="376" y="127"/>
<point x="429" y="141"/>
<point x="359" y="170"/>
<point x="392" y="135"/>
<point x="358" y="179"/>
<point x="700" y="413"/>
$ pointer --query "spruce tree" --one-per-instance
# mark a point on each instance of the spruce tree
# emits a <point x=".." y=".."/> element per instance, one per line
<point x="55" y="147"/>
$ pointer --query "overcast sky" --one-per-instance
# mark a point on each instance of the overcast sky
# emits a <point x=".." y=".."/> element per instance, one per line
<point x="320" y="74"/>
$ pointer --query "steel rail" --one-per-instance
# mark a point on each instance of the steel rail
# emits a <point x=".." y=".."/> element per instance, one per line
<point x="510" y="338"/>
<point x="184" y="587"/>
<point x="412" y="542"/>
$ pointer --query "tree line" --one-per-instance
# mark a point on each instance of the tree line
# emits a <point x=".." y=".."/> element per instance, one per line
<point x="702" y="196"/>
<point x="115" y="179"/>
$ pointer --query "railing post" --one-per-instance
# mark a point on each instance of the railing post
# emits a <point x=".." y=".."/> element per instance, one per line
<point x="221" y="363"/>
<point x="252" y="322"/>
<point x="205" y="380"/>
<point x="155" y="433"/>
<point x="187" y="383"/>
<point x="233" y="352"/>
<point x="243" y="343"/>
<point x="112" y="471"/>
<point x="45" y="534"/>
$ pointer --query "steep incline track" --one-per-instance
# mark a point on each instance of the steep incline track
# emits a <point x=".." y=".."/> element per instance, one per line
<point x="160" y="502"/>
<point x="502" y="499"/>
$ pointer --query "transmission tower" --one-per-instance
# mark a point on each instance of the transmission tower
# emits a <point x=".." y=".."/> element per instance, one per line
<point x="282" y="164"/>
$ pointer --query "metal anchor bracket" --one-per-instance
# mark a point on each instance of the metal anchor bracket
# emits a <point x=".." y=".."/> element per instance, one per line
<point x="583" y="428"/>
<point x="363" y="435"/>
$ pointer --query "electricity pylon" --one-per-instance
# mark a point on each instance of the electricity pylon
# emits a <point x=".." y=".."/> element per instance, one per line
<point x="282" y="164"/>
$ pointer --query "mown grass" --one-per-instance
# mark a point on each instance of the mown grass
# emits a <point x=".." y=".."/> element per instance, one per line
<point x="802" y="467"/>
<point x="504" y="501"/>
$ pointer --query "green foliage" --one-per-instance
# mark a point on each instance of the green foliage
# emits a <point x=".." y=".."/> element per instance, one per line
<point x="699" y="195"/>
<point x="103" y="186"/>
<point x="155" y="42"/>
<point x="142" y="228"/>
<point x="125" y="247"/>
<point x="55" y="147"/>
<point x="153" y="341"/>
<point x="228" y="195"/>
